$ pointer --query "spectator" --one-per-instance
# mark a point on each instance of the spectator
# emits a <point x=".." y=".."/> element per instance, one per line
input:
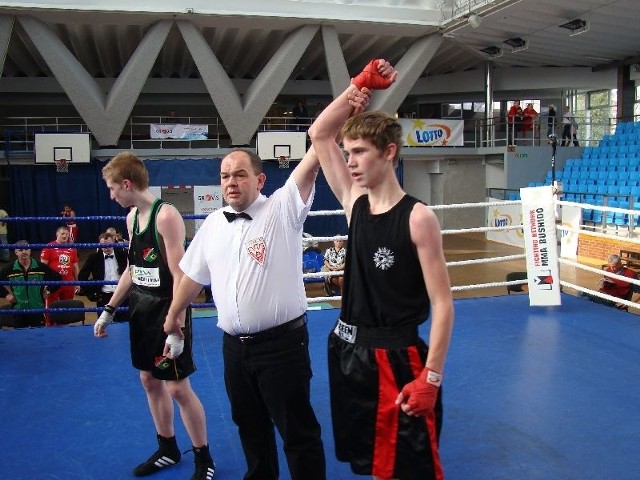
<point x="569" y="128"/>
<point x="160" y="351"/>
<point x="105" y="264"/>
<point x="4" y="252"/>
<point x="514" y="122"/>
<point x="69" y="213"/>
<point x="301" y="116"/>
<point x="613" y="286"/>
<point x="529" y="123"/>
<point x="171" y="117"/>
<point x="551" y="120"/>
<point x="395" y="276"/>
<point x="334" y="258"/>
<point x="117" y="235"/>
<point x="63" y="260"/>
<point x="25" y="297"/>
<point x="319" y="108"/>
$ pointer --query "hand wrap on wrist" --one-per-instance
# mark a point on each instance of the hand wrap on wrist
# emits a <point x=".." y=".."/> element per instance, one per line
<point x="422" y="393"/>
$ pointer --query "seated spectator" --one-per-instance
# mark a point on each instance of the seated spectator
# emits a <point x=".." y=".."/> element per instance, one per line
<point x="25" y="297"/>
<point x="334" y="259"/>
<point x="613" y="286"/>
<point x="105" y="264"/>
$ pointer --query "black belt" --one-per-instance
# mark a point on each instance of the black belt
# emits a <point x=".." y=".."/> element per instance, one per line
<point x="270" y="333"/>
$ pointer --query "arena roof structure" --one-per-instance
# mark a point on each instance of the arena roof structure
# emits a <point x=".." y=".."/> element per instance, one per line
<point x="244" y="34"/>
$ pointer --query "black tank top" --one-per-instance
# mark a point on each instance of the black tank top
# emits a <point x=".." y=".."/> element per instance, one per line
<point x="384" y="286"/>
<point x="149" y="269"/>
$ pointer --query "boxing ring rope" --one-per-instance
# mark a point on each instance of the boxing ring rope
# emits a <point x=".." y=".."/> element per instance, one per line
<point x="323" y="275"/>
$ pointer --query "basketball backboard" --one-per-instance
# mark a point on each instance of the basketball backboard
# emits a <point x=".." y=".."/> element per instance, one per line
<point x="72" y="147"/>
<point x="273" y="145"/>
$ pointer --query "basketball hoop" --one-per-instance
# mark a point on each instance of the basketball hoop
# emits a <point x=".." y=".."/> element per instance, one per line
<point x="283" y="162"/>
<point x="62" y="165"/>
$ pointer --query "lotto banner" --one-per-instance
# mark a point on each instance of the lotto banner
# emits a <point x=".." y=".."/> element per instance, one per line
<point x="505" y="216"/>
<point x="571" y="218"/>
<point x="424" y="132"/>
<point x="206" y="199"/>
<point x="179" y="131"/>
<point x="541" y="245"/>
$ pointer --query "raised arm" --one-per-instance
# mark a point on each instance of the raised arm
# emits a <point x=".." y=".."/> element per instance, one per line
<point x="325" y="130"/>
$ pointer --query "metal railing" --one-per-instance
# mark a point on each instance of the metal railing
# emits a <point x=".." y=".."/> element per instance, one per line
<point x="499" y="132"/>
<point x="18" y="132"/>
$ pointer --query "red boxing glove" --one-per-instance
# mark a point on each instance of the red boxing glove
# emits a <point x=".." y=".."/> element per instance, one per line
<point x="421" y="394"/>
<point x="370" y="78"/>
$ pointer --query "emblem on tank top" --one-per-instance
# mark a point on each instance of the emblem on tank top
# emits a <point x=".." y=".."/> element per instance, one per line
<point x="383" y="258"/>
<point x="257" y="248"/>
<point x="149" y="254"/>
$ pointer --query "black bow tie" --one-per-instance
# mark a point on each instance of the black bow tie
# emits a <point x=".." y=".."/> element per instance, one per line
<point x="231" y="216"/>
<point x="108" y="256"/>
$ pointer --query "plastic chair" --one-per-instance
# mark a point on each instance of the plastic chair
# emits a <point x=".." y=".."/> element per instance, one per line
<point x="65" y="318"/>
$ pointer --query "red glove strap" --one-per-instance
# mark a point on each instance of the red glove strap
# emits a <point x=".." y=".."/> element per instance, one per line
<point x="370" y="78"/>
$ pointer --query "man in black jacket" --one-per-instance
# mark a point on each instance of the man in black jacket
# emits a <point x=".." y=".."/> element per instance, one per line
<point x="105" y="264"/>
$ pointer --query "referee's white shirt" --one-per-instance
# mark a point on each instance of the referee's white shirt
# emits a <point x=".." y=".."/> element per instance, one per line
<point x="254" y="266"/>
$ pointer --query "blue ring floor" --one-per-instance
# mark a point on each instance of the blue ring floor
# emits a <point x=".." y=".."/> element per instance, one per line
<point x="529" y="393"/>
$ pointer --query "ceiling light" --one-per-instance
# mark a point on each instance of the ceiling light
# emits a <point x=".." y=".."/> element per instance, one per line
<point x="517" y="44"/>
<point x="475" y="20"/>
<point x="492" y="51"/>
<point x="576" y="26"/>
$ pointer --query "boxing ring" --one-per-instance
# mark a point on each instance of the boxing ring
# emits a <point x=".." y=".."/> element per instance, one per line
<point x="529" y="392"/>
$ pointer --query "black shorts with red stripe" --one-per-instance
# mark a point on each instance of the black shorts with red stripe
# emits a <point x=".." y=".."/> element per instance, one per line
<point x="367" y="370"/>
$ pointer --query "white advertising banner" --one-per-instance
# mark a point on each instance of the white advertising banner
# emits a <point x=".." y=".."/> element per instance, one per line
<point x="206" y="199"/>
<point x="179" y="131"/>
<point x="424" y="132"/>
<point x="541" y="245"/>
<point x="571" y="218"/>
<point x="505" y="216"/>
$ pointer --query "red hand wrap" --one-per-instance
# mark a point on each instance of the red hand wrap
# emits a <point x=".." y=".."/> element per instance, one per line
<point x="421" y="394"/>
<point x="371" y="78"/>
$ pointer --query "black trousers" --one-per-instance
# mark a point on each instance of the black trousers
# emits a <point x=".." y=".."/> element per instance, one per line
<point x="18" y="320"/>
<point x="566" y="135"/>
<point x="268" y="384"/>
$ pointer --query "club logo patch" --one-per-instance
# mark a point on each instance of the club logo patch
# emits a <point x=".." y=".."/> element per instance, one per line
<point x="383" y="258"/>
<point x="257" y="248"/>
<point x="149" y="254"/>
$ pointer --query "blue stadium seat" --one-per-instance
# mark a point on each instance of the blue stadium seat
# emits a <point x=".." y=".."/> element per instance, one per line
<point x="610" y="216"/>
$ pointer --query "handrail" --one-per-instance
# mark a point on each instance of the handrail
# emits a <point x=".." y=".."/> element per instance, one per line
<point x="18" y="132"/>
